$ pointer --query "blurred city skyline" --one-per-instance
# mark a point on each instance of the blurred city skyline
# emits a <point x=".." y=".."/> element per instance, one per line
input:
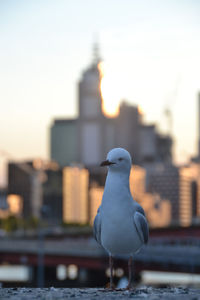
<point x="150" y="50"/>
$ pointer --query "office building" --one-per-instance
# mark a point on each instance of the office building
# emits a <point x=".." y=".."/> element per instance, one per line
<point x="52" y="197"/>
<point x="189" y="197"/>
<point x="95" y="197"/>
<point x="138" y="182"/>
<point x="37" y="185"/>
<point x="63" y="141"/>
<point x="157" y="209"/>
<point x="3" y="203"/>
<point x="23" y="181"/>
<point x="127" y="130"/>
<point x="75" y="194"/>
<point x="181" y="187"/>
<point x="163" y="180"/>
<point x="15" y="205"/>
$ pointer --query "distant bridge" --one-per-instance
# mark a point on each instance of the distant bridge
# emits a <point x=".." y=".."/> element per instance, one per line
<point x="167" y="250"/>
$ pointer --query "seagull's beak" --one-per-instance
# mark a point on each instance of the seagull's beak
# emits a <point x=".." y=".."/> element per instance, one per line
<point x="106" y="163"/>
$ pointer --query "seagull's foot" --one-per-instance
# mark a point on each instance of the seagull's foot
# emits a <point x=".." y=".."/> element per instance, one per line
<point x="109" y="288"/>
<point x="129" y="287"/>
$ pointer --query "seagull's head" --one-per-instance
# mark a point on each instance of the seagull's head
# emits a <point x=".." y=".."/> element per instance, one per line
<point x="118" y="159"/>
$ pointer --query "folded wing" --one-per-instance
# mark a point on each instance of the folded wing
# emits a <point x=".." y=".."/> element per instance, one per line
<point x="97" y="227"/>
<point x="141" y="226"/>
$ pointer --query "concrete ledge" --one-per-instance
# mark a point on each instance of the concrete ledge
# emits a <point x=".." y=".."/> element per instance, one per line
<point x="95" y="293"/>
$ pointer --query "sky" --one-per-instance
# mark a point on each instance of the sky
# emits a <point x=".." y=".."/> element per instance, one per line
<point x="150" y="50"/>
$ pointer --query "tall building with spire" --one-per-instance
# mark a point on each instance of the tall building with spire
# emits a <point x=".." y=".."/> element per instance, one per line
<point x="88" y="138"/>
<point x="91" y="119"/>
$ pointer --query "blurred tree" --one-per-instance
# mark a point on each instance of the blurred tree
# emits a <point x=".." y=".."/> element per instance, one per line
<point x="10" y="223"/>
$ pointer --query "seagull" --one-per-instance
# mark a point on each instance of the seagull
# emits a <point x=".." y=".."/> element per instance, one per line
<point x="120" y="225"/>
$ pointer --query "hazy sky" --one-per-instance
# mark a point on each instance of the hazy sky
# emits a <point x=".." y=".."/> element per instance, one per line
<point x="151" y="51"/>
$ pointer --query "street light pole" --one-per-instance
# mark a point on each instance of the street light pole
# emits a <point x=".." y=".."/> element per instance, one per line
<point x="40" y="266"/>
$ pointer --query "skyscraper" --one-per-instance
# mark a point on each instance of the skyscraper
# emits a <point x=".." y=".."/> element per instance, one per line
<point x="88" y="138"/>
<point x="91" y="140"/>
<point x="82" y="140"/>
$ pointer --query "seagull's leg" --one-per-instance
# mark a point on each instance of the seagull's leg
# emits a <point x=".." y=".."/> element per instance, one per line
<point x="111" y="271"/>
<point x="130" y="266"/>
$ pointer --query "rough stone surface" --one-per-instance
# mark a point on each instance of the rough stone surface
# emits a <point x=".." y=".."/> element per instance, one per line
<point x="95" y="293"/>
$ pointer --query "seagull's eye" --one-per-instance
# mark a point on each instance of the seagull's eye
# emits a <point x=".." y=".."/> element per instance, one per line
<point x="120" y="159"/>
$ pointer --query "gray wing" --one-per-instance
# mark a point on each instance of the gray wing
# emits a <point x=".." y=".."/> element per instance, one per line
<point x="141" y="226"/>
<point x="97" y="227"/>
<point x="139" y="208"/>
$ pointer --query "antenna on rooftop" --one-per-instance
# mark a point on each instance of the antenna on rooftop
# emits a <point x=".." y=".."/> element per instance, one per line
<point x="96" y="51"/>
<point x="169" y="104"/>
